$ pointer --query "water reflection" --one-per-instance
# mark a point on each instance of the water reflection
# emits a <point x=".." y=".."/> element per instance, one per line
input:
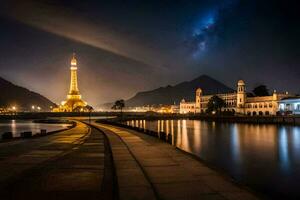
<point x="197" y="135"/>
<point x="18" y="126"/>
<point x="184" y="137"/>
<point x="296" y="138"/>
<point x="13" y="127"/>
<point x="235" y="143"/>
<point x="283" y="148"/>
<point x="265" y="157"/>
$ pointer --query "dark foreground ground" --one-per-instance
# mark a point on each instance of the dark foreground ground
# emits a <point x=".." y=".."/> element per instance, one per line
<point x="107" y="162"/>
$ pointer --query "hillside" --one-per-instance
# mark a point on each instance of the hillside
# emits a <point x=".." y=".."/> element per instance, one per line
<point x="13" y="95"/>
<point x="171" y="94"/>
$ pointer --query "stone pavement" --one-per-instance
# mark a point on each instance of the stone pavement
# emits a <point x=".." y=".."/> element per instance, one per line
<point x="148" y="168"/>
<point x="66" y="165"/>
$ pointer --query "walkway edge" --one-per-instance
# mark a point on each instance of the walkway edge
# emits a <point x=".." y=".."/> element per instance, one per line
<point x="111" y="172"/>
<point x="215" y="183"/>
<point x="139" y="164"/>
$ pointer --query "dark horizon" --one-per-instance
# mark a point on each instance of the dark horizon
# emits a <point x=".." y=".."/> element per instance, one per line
<point x="124" y="47"/>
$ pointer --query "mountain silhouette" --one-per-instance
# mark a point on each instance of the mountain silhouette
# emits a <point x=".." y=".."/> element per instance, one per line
<point x="22" y="98"/>
<point x="185" y="90"/>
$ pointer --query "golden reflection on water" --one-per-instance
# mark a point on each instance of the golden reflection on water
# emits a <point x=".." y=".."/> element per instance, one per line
<point x="185" y="139"/>
<point x="158" y="125"/>
<point x="13" y="126"/>
<point x="197" y="135"/>
<point x="179" y="135"/>
<point x="167" y="126"/>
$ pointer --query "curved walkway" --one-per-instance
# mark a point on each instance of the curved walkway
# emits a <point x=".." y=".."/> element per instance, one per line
<point x="148" y="168"/>
<point x="73" y="164"/>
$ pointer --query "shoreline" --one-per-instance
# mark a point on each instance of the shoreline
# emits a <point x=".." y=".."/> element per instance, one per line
<point x="116" y="116"/>
<point x="217" y="170"/>
<point x="280" y="120"/>
<point x="163" y="136"/>
<point x="160" y="136"/>
<point x="38" y="135"/>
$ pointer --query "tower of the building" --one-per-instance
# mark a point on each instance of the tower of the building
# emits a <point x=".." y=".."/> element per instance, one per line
<point x="74" y="91"/>
<point x="198" y="100"/>
<point x="241" y="96"/>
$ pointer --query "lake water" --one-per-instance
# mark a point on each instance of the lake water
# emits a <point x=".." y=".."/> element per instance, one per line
<point x="18" y="126"/>
<point x="264" y="157"/>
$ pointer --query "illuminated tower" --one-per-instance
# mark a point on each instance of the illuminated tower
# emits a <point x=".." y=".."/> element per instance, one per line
<point x="74" y="92"/>
<point x="73" y="102"/>
<point x="198" y="100"/>
<point x="241" y="96"/>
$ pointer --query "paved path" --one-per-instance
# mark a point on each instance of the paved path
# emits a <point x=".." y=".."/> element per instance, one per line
<point x="80" y="163"/>
<point x="148" y="168"/>
<point x="66" y="165"/>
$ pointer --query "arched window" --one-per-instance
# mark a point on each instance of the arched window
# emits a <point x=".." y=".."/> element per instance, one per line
<point x="260" y="113"/>
<point x="253" y="113"/>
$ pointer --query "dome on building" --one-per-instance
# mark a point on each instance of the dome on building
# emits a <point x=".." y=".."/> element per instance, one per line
<point x="241" y="82"/>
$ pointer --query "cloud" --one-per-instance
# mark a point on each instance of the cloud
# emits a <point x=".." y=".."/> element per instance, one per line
<point x="60" y="20"/>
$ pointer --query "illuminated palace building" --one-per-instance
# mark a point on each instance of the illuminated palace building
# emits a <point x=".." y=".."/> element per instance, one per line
<point x="74" y="103"/>
<point x="238" y="102"/>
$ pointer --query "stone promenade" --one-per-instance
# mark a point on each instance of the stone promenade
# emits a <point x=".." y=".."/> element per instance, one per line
<point x="148" y="168"/>
<point x="110" y="163"/>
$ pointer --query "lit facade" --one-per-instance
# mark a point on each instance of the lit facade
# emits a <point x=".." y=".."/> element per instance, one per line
<point x="168" y="109"/>
<point x="238" y="102"/>
<point x="187" y="107"/>
<point x="74" y="101"/>
<point x="290" y="105"/>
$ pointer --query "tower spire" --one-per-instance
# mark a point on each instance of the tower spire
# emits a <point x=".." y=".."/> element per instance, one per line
<point x="73" y="60"/>
<point x="73" y="84"/>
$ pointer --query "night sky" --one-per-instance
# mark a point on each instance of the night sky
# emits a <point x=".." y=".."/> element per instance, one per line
<point x="128" y="46"/>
